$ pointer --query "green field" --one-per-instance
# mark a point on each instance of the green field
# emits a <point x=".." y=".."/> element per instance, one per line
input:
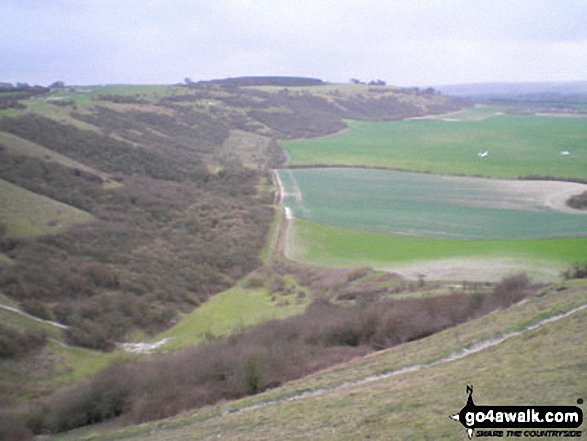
<point x="28" y="214"/>
<point x="424" y="205"/>
<point x="228" y="312"/>
<point x="320" y="244"/>
<point x="444" y="227"/>
<point x="517" y="145"/>
<point x="478" y="112"/>
<point x="86" y="95"/>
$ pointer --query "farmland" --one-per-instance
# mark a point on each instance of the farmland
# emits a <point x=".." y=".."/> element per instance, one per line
<point x="425" y="205"/>
<point x="432" y="221"/>
<point x="517" y="145"/>
<point x="439" y="226"/>
<point x="157" y="168"/>
<point x="186" y="248"/>
<point x="320" y="244"/>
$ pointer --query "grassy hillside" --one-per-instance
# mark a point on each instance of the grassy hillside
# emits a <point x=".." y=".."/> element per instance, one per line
<point x="409" y="391"/>
<point x="228" y="312"/>
<point x="28" y="214"/>
<point x="517" y="146"/>
<point x="193" y="217"/>
<point x="186" y="247"/>
<point x="168" y="206"/>
<point x="21" y="146"/>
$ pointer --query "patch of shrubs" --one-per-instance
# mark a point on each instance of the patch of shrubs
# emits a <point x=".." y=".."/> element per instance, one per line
<point x="164" y="245"/>
<point x="100" y="151"/>
<point x="578" y="201"/>
<point x="14" y="426"/>
<point x="11" y="104"/>
<point x="265" y="356"/>
<point x="15" y="343"/>
<point x="61" y="103"/>
<point x="121" y="99"/>
<point x="578" y="271"/>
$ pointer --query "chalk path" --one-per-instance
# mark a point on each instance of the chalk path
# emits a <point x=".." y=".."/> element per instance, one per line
<point x="465" y="352"/>
<point x="18" y="311"/>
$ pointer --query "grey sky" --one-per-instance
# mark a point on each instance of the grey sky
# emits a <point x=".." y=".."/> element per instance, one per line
<point x="408" y="42"/>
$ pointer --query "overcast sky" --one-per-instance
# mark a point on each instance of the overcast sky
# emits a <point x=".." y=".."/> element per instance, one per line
<point x="406" y="43"/>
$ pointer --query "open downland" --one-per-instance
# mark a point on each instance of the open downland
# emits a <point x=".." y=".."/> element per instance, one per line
<point x="28" y="214"/>
<point x="437" y="258"/>
<point x="517" y="145"/>
<point x="408" y="392"/>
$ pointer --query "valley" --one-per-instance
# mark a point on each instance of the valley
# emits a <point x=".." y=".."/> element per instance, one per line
<point x="239" y="251"/>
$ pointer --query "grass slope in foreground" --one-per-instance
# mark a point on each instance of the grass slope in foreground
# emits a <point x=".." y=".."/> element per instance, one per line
<point x="532" y="368"/>
<point x="28" y="214"/>
<point x="518" y="146"/>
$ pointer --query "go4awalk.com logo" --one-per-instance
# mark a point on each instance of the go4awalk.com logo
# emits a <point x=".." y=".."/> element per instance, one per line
<point x="520" y="421"/>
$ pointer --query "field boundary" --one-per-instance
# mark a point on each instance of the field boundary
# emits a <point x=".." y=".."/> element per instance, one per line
<point x="427" y="172"/>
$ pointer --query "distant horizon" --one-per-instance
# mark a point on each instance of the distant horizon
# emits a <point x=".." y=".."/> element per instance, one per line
<point x="407" y="44"/>
<point x="326" y="82"/>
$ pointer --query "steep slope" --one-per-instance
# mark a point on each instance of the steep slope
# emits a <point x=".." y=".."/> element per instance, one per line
<point x="176" y="184"/>
<point x="25" y="213"/>
<point x="177" y="180"/>
<point x="408" y="392"/>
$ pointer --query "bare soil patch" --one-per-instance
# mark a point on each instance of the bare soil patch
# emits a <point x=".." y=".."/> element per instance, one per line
<point x="522" y="194"/>
<point x="480" y="269"/>
<point x="552" y="194"/>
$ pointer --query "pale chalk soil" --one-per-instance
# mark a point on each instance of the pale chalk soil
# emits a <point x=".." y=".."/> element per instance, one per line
<point x="518" y="194"/>
<point x="480" y="269"/>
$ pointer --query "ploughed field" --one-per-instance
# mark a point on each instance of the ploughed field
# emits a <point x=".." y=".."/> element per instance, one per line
<point x="427" y="223"/>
